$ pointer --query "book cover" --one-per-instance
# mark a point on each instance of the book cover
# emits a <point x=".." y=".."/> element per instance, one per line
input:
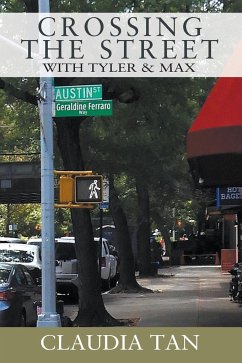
<point x="137" y="75"/>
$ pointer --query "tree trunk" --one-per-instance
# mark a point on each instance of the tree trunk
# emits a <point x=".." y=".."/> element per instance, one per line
<point x="92" y="311"/>
<point x="127" y="280"/>
<point x="143" y="233"/>
<point x="91" y="307"/>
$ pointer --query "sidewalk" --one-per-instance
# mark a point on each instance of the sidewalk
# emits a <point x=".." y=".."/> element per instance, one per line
<point x="183" y="296"/>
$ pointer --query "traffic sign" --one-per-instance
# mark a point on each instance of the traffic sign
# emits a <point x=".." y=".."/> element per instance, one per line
<point x="104" y="205"/>
<point x="83" y="108"/>
<point x="88" y="189"/>
<point x="229" y="196"/>
<point x="78" y="93"/>
<point x="105" y="190"/>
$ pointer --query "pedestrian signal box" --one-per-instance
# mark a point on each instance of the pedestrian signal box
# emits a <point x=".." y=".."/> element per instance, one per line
<point x="79" y="189"/>
<point x="88" y="189"/>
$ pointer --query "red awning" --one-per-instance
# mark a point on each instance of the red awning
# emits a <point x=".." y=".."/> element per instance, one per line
<point x="214" y="141"/>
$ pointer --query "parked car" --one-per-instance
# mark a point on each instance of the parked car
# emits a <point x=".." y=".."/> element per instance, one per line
<point x="19" y="294"/>
<point x="66" y="264"/>
<point x="66" y="269"/>
<point x="109" y="264"/>
<point x="28" y="256"/>
<point x="34" y="241"/>
<point x="10" y="240"/>
<point x="109" y="233"/>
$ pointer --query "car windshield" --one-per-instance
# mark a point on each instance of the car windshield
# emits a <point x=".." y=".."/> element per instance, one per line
<point x="4" y="275"/>
<point x="65" y="251"/>
<point x="16" y="256"/>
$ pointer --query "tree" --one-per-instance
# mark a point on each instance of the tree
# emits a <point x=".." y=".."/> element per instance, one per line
<point x="143" y="230"/>
<point x="91" y="308"/>
<point x="127" y="281"/>
<point x="141" y="136"/>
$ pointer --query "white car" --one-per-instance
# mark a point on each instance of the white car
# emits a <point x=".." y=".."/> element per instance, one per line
<point x="10" y="240"/>
<point x="66" y="270"/>
<point x="66" y="264"/>
<point x="24" y="254"/>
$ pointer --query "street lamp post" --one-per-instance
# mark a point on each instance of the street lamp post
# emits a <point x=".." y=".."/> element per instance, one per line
<point x="48" y="316"/>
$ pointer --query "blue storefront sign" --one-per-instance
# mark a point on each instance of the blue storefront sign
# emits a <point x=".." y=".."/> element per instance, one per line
<point x="229" y="196"/>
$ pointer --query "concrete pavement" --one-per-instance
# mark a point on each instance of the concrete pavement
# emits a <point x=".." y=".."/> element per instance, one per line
<point x="184" y="296"/>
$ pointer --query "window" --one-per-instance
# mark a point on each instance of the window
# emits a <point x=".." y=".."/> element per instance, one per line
<point x="16" y="256"/>
<point x="4" y="275"/>
<point x="28" y="277"/>
<point x="20" y="277"/>
<point x="65" y="251"/>
<point x="105" y="248"/>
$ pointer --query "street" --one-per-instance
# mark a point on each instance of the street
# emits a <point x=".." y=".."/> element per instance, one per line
<point x="184" y="296"/>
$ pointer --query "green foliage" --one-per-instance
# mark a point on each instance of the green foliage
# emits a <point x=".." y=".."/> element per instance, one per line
<point x="144" y="139"/>
<point x="19" y="125"/>
<point x="159" y="6"/>
<point x="63" y="224"/>
<point x="11" y="6"/>
<point x="25" y="216"/>
<point x="28" y="219"/>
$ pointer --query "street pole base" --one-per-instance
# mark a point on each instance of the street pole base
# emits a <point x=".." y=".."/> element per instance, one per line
<point x="48" y="321"/>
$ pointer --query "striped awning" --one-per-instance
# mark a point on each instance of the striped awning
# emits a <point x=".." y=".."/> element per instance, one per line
<point x="214" y="141"/>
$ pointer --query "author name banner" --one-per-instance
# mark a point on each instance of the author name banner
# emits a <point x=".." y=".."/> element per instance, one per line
<point x="75" y="345"/>
<point x="121" y="45"/>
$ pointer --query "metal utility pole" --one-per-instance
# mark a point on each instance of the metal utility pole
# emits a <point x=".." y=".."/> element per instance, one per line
<point x="48" y="316"/>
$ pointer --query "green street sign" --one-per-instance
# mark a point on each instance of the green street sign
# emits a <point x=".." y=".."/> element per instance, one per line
<point x="83" y="108"/>
<point x="78" y="93"/>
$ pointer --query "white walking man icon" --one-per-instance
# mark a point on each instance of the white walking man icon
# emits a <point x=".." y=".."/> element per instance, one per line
<point x="94" y="188"/>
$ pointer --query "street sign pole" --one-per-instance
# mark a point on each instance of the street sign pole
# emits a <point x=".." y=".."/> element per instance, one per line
<point x="48" y="316"/>
<point x="100" y="241"/>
